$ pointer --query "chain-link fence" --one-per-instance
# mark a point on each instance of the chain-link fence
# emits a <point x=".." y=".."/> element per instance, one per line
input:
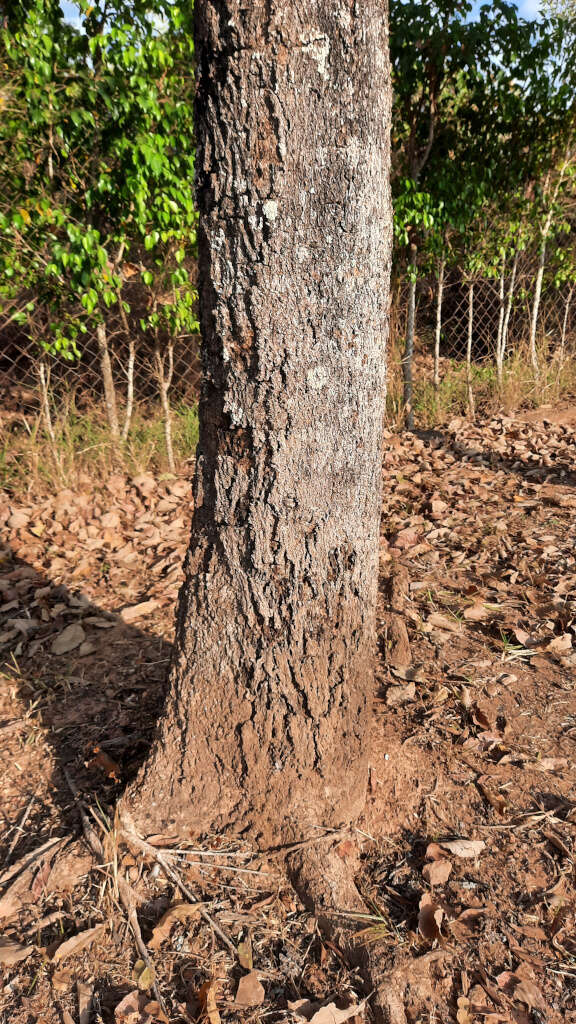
<point x="486" y="324"/>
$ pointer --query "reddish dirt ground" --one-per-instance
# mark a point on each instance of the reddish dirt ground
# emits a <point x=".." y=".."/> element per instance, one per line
<point x="466" y="856"/>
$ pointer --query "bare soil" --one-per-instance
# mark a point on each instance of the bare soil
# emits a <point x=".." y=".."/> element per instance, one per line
<point x="465" y="859"/>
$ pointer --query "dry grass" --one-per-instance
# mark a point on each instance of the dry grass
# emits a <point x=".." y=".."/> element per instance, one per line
<point x="30" y="462"/>
<point x="521" y="389"/>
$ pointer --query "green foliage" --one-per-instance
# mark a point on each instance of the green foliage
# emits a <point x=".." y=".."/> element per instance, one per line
<point x="484" y="110"/>
<point x="96" y="169"/>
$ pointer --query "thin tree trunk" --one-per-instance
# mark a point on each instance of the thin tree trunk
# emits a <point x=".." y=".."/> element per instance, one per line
<point x="129" y="388"/>
<point x="469" y="388"/>
<point x="130" y="366"/>
<point x="546" y="228"/>
<point x="501" y="318"/>
<point x="565" y="323"/>
<point x="44" y="382"/>
<point x="108" y="381"/>
<point x="438" y="334"/>
<point x="164" y="373"/>
<point x="506" y="324"/>
<point x="267" y="721"/>
<point x="408" y="356"/>
<point x="536" y="308"/>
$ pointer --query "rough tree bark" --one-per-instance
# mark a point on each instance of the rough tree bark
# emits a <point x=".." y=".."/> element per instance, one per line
<point x="271" y="683"/>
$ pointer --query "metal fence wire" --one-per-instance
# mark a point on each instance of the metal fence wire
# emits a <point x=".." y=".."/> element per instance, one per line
<point x="23" y="368"/>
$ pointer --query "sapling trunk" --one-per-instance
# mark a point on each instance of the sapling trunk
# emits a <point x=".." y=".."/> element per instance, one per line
<point x="565" y="323"/>
<point x="164" y="363"/>
<point x="408" y="356"/>
<point x="108" y="381"/>
<point x="44" y="381"/>
<point x="470" y="392"/>
<point x="438" y="335"/>
<point x="536" y="308"/>
<point x="130" y="366"/>
<point x="501" y="318"/>
<point x="506" y="324"/>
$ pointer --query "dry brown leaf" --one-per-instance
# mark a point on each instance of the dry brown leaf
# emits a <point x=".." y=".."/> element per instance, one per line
<point x="143" y="975"/>
<point x="99" y="621"/>
<point x="465" y="848"/>
<point x="496" y="800"/>
<point x="324" y="1013"/>
<point x="438" y="872"/>
<point x="138" y="611"/>
<point x="62" y="981"/>
<point x="465" y="925"/>
<point x="398" y="695"/>
<point x="249" y="992"/>
<point x="430" y="918"/>
<point x="12" y="952"/>
<point x="155" y="1011"/>
<point x="481" y="717"/>
<point x="179" y="911"/>
<point x="560" y="644"/>
<point x="435" y="852"/>
<point x="550" y="764"/>
<point x="522" y="989"/>
<point x="463" y="1015"/>
<point x="69" y="639"/>
<point x="132" y="1009"/>
<point x="477" y="613"/>
<point x="207" y="1000"/>
<point x="437" y="621"/>
<point x="77" y="943"/>
<point x="245" y="954"/>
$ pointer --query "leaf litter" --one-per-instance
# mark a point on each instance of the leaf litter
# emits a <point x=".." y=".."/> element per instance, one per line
<point x="471" y="787"/>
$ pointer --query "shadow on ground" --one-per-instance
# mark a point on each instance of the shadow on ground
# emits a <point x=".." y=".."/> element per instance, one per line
<point x="95" y="707"/>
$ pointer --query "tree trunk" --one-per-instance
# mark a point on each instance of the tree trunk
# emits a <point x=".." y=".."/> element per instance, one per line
<point x="271" y="682"/>
<point x="501" y="317"/>
<point x="469" y="388"/>
<point x="438" y="334"/>
<point x="506" y="324"/>
<point x="536" y="308"/>
<point x="408" y="354"/>
<point x="565" y="323"/>
<point x="108" y="381"/>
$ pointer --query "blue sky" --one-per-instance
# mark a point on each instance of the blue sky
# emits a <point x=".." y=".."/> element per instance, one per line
<point x="527" y="8"/>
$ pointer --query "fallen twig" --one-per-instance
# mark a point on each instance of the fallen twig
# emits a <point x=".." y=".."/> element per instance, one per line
<point x="19" y="829"/>
<point x="129" y="903"/>
<point x="173" y="875"/>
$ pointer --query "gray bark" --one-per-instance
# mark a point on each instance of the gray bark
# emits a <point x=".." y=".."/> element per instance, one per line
<point x="271" y="684"/>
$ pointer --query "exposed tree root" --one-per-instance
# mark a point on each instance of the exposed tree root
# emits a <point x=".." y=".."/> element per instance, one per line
<point x="326" y="887"/>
